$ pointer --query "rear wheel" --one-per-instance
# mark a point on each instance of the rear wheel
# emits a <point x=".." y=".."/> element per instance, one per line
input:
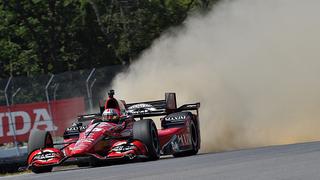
<point x="146" y="131"/>
<point x="194" y="141"/>
<point x="39" y="139"/>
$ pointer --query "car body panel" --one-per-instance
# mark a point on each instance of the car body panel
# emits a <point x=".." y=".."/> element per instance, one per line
<point x="106" y="140"/>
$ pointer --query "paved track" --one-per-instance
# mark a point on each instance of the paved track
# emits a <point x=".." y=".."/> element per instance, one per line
<point x="288" y="162"/>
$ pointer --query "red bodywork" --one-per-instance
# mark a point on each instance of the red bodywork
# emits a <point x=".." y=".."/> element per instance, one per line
<point x="107" y="140"/>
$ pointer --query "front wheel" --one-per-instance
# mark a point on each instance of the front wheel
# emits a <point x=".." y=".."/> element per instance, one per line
<point x="39" y="139"/>
<point x="146" y="131"/>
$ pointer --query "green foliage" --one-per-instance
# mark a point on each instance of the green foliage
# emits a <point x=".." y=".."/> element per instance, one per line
<point x="41" y="37"/>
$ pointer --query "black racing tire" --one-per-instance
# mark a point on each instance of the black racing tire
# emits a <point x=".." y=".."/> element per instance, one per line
<point x="146" y="131"/>
<point x="94" y="162"/>
<point x="39" y="170"/>
<point x="39" y="139"/>
<point x="194" y="141"/>
<point x="83" y="164"/>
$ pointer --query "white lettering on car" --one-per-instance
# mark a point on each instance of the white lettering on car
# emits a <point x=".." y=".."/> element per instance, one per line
<point x="45" y="155"/>
<point x="184" y="139"/>
<point x="174" y="118"/>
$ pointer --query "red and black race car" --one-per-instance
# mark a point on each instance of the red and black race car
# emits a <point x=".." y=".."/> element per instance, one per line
<point x="134" y="137"/>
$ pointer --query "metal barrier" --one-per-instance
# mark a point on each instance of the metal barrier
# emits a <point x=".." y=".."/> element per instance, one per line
<point x="90" y="84"/>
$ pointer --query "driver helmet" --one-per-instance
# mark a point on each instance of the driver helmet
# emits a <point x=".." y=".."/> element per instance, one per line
<point x="111" y="114"/>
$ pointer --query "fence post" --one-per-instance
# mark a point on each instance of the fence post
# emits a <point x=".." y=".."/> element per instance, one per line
<point x="14" y="95"/>
<point x="56" y="86"/>
<point x="13" y="126"/>
<point x="91" y="85"/>
<point x="89" y="88"/>
<point x="48" y="100"/>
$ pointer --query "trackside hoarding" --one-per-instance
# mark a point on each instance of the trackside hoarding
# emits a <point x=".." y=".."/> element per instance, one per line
<point x="25" y="117"/>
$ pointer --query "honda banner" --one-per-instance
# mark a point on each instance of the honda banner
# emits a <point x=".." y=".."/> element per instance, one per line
<point x="20" y="119"/>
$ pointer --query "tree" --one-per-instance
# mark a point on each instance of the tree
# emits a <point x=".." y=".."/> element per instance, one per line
<point x="52" y="36"/>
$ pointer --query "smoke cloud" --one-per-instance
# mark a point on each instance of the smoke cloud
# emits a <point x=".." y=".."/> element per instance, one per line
<point x="253" y="65"/>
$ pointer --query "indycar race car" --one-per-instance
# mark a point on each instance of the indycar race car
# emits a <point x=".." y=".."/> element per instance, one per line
<point x="134" y="136"/>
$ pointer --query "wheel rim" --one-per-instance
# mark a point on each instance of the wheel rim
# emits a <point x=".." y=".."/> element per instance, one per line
<point x="194" y="136"/>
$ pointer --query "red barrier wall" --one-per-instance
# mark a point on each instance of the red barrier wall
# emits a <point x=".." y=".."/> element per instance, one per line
<point x="36" y="115"/>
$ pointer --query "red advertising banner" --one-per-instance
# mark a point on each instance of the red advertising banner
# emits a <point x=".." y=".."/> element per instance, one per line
<point x="25" y="117"/>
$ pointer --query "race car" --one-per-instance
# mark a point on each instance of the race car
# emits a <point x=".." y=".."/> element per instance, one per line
<point x="134" y="136"/>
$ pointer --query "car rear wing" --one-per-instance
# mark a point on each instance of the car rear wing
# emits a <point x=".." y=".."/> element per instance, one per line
<point x="160" y="107"/>
<point x="149" y="108"/>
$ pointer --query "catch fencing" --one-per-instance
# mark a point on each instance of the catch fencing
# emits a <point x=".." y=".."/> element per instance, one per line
<point x="49" y="102"/>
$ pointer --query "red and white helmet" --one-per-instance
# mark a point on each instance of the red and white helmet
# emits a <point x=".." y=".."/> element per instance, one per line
<point x="110" y="114"/>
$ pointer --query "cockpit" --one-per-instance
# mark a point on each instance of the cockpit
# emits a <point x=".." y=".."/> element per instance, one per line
<point x="114" y="103"/>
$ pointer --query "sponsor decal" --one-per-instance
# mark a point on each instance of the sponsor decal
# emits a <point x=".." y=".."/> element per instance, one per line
<point x="41" y="117"/>
<point x="184" y="139"/>
<point x="94" y="128"/>
<point x="123" y="147"/>
<point x="77" y="128"/>
<point x="45" y="155"/>
<point x="25" y="117"/>
<point x="175" y="118"/>
<point x="140" y="106"/>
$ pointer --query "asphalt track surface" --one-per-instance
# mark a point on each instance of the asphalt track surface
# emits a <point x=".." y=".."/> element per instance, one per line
<point x="286" y="162"/>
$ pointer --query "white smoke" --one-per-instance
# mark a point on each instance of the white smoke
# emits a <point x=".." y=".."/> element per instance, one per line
<point x="253" y="64"/>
